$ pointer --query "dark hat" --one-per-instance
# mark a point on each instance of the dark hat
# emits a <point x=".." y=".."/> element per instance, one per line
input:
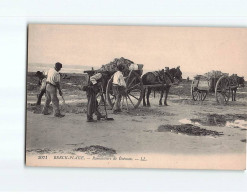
<point x="58" y="65"/>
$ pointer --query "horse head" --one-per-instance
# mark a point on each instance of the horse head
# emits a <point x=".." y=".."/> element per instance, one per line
<point x="176" y="73"/>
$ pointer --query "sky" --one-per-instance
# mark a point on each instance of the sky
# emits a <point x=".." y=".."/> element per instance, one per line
<point x="196" y="50"/>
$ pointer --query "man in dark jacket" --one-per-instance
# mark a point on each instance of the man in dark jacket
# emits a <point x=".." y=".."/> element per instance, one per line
<point x="95" y="86"/>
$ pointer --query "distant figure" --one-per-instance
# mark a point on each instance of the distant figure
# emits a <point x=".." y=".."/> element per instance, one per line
<point x="42" y="83"/>
<point x="118" y="86"/>
<point x="188" y="79"/>
<point x="52" y="85"/>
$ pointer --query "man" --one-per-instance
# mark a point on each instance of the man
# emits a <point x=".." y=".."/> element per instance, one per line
<point x="118" y="86"/>
<point x="94" y="87"/>
<point x="42" y="83"/>
<point x="52" y="85"/>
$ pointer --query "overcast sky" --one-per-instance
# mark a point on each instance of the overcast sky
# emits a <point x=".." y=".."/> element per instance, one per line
<point x="196" y="50"/>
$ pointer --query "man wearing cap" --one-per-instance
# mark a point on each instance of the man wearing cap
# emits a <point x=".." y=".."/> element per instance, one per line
<point x="118" y="86"/>
<point x="52" y="85"/>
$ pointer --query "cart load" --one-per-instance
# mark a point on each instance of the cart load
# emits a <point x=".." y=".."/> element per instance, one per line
<point x="128" y="65"/>
<point x="208" y="80"/>
<point x="214" y="74"/>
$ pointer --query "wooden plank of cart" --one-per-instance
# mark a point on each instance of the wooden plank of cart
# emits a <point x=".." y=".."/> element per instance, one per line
<point x="219" y="85"/>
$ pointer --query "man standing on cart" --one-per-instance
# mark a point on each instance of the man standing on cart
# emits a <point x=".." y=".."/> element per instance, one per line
<point x="118" y="86"/>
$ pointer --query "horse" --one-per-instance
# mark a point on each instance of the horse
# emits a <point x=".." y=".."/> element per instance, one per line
<point x="236" y="81"/>
<point x="160" y="77"/>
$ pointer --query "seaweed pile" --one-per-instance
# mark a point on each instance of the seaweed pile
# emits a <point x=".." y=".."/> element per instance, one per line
<point x="188" y="129"/>
<point x="112" y="66"/>
<point x="97" y="150"/>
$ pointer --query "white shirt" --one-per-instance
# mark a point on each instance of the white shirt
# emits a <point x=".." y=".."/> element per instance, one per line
<point x="53" y="76"/>
<point x="118" y="79"/>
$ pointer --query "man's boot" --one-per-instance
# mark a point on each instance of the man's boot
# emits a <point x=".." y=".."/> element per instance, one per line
<point x="90" y="119"/>
<point x="59" y="115"/>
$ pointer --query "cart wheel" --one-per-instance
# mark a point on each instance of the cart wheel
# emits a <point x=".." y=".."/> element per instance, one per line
<point x="195" y="93"/>
<point x="222" y="90"/>
<point x="134" y="89"/>
<point x="110" y="97"/>
<point x="203" y="95"/>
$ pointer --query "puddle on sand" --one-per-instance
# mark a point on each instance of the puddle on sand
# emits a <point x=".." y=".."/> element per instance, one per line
<point x="237" y="124"/>
<point x="211" y="120"/>
<point x="188" y="121"/>
<point x="232" y="121"/>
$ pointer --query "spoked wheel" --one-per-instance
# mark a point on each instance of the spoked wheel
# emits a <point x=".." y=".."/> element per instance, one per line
<point x="110" y="97"/>
<point x="203" y="95"/>
<point x="222" y="90"/>
<point x="134" y="91"/>
<point x="195" y="93"/>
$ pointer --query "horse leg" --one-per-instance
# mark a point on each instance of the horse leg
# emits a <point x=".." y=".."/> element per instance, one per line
<point x="167" y="91"/>
<point x="143" y="99"/>
<point x="235" y="93"/>
<point x="148" y="94"/>
<point x="161" y="96"/>
<point x="232" y="94"/>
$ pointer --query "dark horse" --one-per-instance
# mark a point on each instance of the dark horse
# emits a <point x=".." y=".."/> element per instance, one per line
<point x="166" y="78"/>
<point x="236" y="81"/>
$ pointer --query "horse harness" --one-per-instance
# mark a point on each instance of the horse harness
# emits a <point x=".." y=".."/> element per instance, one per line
<point x="164" y="78"/>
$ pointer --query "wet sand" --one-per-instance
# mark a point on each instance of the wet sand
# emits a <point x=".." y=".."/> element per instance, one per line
<point x="137" y="131"/>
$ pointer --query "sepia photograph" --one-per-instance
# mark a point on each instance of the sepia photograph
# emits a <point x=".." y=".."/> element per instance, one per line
<point x="136" y="97"/>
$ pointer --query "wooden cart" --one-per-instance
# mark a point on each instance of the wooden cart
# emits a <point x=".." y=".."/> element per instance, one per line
<point x="220" y="86"/>
<point x="134" y="89"/>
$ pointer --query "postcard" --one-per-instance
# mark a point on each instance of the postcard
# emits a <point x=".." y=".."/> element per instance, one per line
<point x="136" y="97"/>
